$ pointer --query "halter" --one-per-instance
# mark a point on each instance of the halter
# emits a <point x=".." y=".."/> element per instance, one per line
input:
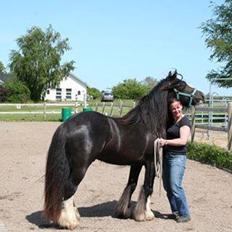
<point x="190" y="95"/>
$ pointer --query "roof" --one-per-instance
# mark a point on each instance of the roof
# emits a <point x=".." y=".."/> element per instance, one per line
<point x="3" y="77"/>
<point x="78" y="80"/>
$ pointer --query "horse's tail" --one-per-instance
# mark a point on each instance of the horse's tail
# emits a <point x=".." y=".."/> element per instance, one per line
<point x="57" y="172"/>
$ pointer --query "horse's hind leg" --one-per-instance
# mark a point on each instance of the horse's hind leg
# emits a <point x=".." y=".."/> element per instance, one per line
<point x="123" y="209"/>
<point x="70" y="217"/>
<point x="142" y="211"/>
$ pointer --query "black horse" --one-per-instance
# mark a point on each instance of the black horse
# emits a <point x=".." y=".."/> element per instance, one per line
<point x="128" y="140"/>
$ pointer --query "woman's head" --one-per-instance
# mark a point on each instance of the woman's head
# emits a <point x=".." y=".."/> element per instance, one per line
<point x="175" y="108"/>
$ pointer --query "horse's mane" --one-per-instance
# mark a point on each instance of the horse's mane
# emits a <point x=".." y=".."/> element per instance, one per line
<point x="151" y="110"/>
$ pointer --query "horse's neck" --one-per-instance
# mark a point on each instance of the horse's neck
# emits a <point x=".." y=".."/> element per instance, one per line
<point x="151" y="112"/>
<point x="157" y="111"/>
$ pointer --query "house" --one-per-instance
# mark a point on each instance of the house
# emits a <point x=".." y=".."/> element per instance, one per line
<point x="3" y="77"/>
<point x="6" y="77"/>
<point x="69" y="89"/>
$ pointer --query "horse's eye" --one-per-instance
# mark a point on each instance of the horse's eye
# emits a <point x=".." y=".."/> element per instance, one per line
<point x="181" y="85"/>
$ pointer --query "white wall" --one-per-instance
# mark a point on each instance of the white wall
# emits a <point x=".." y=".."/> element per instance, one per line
<point x="69" y="83"/>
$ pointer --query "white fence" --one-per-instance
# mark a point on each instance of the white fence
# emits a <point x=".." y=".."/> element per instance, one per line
<point x="209" y="118"/>
<point x="108" y="108"/>
<point x="209" y="122"/>
<point x="35" y="109"/>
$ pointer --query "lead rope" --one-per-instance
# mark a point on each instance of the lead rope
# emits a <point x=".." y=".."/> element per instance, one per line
<point x="158" y="162"/>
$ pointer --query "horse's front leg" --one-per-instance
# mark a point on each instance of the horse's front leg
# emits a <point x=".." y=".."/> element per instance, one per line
<point x="123" y="209"/>
<point x="142" y="211"/>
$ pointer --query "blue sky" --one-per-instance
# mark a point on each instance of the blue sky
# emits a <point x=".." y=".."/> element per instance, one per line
<point x="116" y="40"/>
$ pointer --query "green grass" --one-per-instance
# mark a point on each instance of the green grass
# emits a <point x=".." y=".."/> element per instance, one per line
<point x="105" y="108"/>
<point x="30" y="108"/>
<point x="30" y="117"/>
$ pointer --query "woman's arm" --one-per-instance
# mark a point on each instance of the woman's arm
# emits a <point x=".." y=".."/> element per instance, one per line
<point x="184" y="134"/>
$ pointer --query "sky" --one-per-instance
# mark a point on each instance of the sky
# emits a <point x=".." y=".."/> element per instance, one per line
<point x="116" y="40"/>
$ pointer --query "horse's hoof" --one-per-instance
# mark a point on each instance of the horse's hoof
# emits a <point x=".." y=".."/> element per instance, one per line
<point x="139" y="217"/>
<point x="123" y="215"/>
<point x="70" y="225"/>
<point x="69" y="220"/>
<point x="149" y="216"/>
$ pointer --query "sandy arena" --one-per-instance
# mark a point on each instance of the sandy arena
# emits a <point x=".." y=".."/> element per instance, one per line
<point x="24" y="148"/>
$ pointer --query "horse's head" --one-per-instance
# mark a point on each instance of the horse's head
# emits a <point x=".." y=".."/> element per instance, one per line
<point x="182" y="91"/>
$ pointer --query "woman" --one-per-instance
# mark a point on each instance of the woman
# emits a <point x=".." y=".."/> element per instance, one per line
<point x="175" y="160"/>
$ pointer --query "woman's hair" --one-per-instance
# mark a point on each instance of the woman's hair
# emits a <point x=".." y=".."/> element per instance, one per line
<point x="172" y="100"/>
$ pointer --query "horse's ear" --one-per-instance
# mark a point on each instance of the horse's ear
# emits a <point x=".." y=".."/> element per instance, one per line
<point x="172" y="75"/>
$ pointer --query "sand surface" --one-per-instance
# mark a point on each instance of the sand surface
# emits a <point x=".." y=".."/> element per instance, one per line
<point x="23" y="149"/>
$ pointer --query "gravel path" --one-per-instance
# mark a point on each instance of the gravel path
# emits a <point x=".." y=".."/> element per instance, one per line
<point x="23" y="155"/>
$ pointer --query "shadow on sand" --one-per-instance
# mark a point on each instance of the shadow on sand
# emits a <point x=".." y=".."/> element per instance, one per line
<point x="100" y="210"/>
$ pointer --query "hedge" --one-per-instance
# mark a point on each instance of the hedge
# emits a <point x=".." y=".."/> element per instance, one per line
<point x="210" y="154"/>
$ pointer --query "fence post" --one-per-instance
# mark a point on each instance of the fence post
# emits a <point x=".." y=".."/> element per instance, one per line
<point x="103" y="107"/>
<point x="229" y="126"/>
<point x="111" y="110"/>
<point x="76" y="107"/>
<point x="193" y="123"/>
<point x="121" y="107"/>
<point x="44" y="111"/>
<point x="96" y="107"/>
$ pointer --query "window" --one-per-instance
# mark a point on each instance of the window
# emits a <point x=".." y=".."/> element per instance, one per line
<point x="48" y="91"/>
<point x="58" y="93"/>
<point x="68" y="93"/>
<point x="78" y="92"/>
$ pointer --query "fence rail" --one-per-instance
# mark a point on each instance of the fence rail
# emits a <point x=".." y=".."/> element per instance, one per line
<point x="116" y="109"/>
<point x="209" y="123"/>
<point x="209" y="118"/>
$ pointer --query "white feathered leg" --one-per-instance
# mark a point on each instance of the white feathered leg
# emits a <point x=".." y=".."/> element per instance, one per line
<point x="148" y="213"/>
<point x="69" y="217"/>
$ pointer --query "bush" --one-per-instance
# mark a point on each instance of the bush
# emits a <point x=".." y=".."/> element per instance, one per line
<point x="4" y="93"/>
<point x="210" y="154"/>
<point x="130" y="89"/>
<point x="18" y="91"/>
<point x="94" y="93"/>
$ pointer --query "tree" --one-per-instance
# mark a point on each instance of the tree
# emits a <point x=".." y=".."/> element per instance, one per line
<point x="130" y="89"/>
<point x="4" y="93"/>
<point x="37" y="63"/>
<point x="150" y="82"/>
<point x="18" y="91"/>
<point x="95" y="93"/>
<point x="2" y="68"/>
<point x="218" y="32"/>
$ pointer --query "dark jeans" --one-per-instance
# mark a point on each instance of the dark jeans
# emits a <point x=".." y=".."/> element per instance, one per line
<point x="173" y="173"/>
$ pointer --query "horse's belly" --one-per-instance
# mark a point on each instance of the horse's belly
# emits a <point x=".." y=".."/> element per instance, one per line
<point x="120" y="158"/>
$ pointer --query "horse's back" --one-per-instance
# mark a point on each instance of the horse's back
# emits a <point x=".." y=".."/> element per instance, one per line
<point x="86" y="134"/>
<point x="93" y="121"/>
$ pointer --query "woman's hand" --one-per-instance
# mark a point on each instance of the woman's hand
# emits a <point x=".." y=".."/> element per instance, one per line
<point x="184" y="134"/>
<point x="163" y="142"/>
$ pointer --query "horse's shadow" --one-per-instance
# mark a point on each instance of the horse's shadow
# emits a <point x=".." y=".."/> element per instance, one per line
<point x="38" y="219"/>
<point x="100" y="210"/>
